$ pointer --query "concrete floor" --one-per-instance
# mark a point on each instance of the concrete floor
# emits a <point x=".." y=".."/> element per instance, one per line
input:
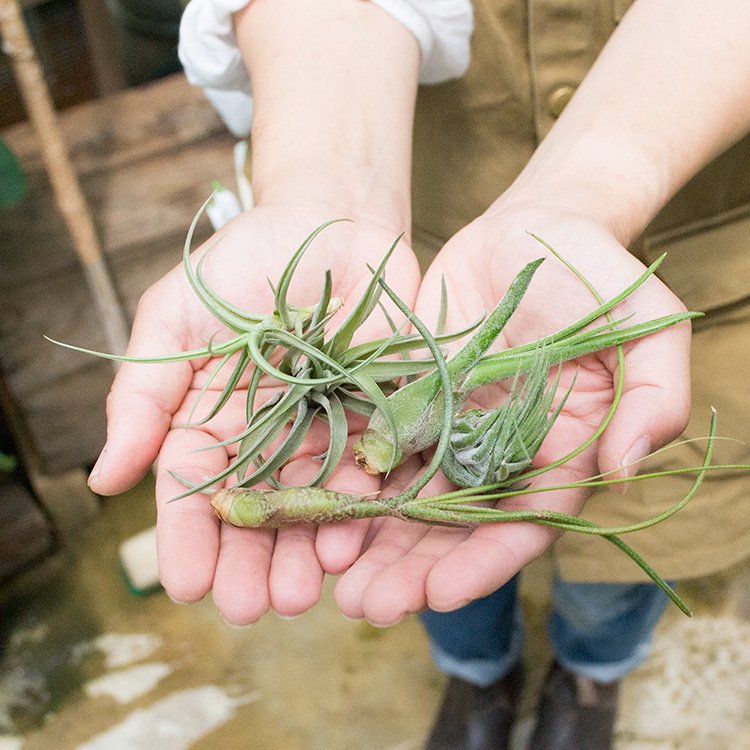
<point x="87" y="665"/>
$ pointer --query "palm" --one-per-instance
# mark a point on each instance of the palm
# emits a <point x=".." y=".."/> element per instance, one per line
<point x="150" y="406"/>
<point x="407" y="568"/>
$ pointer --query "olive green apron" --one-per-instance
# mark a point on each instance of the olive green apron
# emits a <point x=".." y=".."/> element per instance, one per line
<point x="474" y="135"/>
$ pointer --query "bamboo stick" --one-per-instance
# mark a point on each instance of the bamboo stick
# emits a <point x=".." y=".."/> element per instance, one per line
<point x="65" y="184"/>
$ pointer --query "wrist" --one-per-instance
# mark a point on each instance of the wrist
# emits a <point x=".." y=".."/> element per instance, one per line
<point x="613" y="185"/>
<point x="334" y="185"/>
<point x="334" y="85"/>
<point x="631" y="136"/>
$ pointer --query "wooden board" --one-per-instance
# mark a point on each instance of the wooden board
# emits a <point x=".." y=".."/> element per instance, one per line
<point x="146" y="159"/>
<point x="25" y="533"/>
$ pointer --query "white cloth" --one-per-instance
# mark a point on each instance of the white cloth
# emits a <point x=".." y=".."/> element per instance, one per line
<point x="211" y="58"/>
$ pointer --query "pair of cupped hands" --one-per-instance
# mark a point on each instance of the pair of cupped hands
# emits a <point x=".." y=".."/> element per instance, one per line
<point x="387" y="567"/>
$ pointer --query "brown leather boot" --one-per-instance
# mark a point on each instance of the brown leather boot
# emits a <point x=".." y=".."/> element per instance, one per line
<point x="473" y="718"/>
<point x="575" y="713"/>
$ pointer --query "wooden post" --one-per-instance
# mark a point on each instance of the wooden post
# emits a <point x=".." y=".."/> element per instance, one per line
<point x="65" y="185"/>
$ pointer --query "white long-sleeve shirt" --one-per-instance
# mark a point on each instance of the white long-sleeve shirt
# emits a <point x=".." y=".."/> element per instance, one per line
<point x="211" y="57"/>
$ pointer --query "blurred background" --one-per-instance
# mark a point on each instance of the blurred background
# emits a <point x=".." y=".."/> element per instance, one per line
<point x="88" y="657"/>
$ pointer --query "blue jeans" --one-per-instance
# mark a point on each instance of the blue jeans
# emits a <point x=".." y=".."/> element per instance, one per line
<point x="600" y="630"/>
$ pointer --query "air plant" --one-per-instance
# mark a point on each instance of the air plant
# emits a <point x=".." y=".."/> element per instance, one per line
<point x="325" y="375"/>
<point x="488" y="454"/>
<point x="488" y="446"/>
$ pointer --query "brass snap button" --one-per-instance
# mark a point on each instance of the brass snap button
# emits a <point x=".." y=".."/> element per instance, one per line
<point x="559" y="98"/>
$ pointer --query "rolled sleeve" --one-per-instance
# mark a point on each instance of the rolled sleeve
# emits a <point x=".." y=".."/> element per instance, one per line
<point x="442" y="29"/>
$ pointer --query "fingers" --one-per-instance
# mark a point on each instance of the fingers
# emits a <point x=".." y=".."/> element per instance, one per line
<point x="249" y="570"/>
<point x="140" y="405"/>
<point x="655" y="403"/>
<point x="367" y="589"/>
<point x="241" y="582"/>
<point x="296" y="578"/>
<point x="338" y="545"/>
<point x="484" y="561"/>
<point x="187" y="529"/>
<point x="388" y="580"/>
<point x="408" y="567"/>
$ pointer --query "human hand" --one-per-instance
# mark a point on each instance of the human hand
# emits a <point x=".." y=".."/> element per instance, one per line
<point x="408" y="567"/>
<point x="149" y="407"/>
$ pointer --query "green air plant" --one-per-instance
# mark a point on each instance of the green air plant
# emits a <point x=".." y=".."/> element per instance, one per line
<point x="325" y="375"/>
<point x="488" y="454"/>
<point x="490" y="445"/>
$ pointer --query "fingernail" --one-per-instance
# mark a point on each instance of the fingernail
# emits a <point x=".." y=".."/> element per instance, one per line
<point x="450" y="607"/>
<point x="97" y="470"/>
<point x="383" y="625"/>
<point x="175" y="600"/>
<point x="352" y="618"/>
<point x="235" y="625"/>
<point x="636" y="453"/>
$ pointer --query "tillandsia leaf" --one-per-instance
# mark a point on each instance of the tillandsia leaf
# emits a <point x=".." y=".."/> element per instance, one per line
<point x="289" y="446"/>
<point x="493" y="445"/>
<point x="261" y="362"/>
<point x="321" y="309"/>
<point x="408" y="342"/>
<point x="232" y="315"/>
<point x="442" y="309"/>
<point x="419" y="405"/>
<point x="204" y="294"/>
<point x="387" y="370"/>
<point x="206" y="386"/>
<point x="338" y="432"/>
<point x="285" y="279"/>
<point x="504" y="364"/>
<point x="206" y="352"/>
<point x="252" y="389"/>
<point x="443" y="373"/>
<point x="342" y="339"/>
<point x="356" y="403"/>
<point x="475" y="349"/>
<point x="229" y="387"/>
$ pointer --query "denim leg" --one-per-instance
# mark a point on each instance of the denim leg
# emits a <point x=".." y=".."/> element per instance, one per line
<point x="603" y="630"/>
<point x="481" y="642"/>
